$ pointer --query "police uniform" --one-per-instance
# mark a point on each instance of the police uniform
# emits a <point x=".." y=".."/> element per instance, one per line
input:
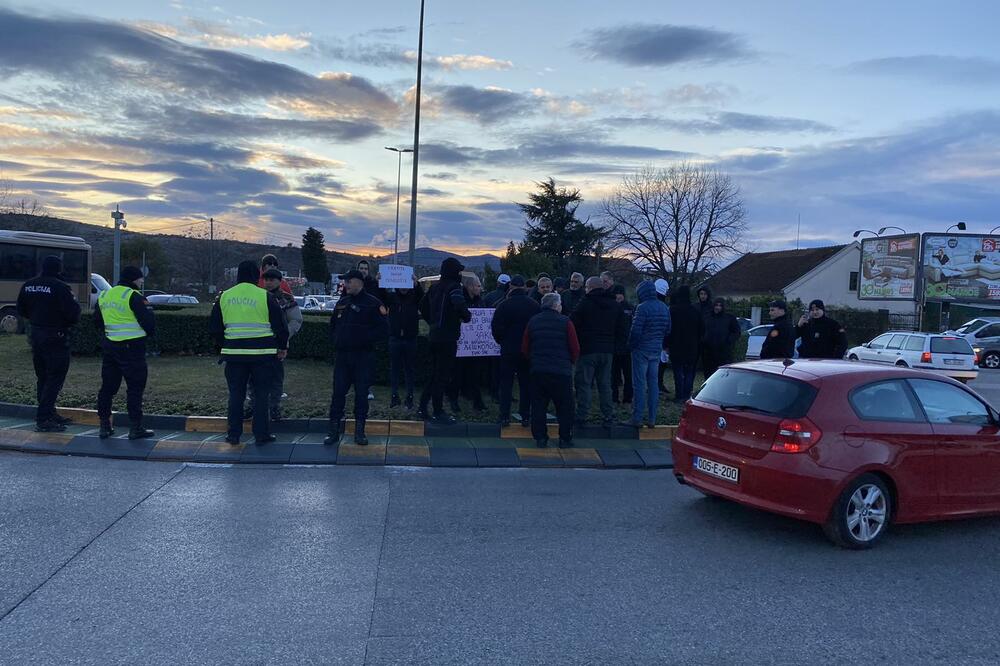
<point x="49" y="305"/>
<point x="780" y="341"/>
<point x="124" y="320"/>
<point x="358" y="322"/>
<point x="822" y="337"/>
<point x="250" y="328"/>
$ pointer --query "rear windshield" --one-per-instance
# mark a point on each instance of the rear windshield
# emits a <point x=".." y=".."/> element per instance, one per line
<point x="970" y="326"/>
<point x="950" y="346"/>
<point x="780" y="396"/>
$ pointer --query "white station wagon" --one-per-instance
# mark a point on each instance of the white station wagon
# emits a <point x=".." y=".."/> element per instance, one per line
<point x="944" y="354"/>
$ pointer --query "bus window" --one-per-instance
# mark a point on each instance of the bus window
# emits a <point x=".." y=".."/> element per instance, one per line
<point x="75" y="269"/>
<point x="17" y="262"/>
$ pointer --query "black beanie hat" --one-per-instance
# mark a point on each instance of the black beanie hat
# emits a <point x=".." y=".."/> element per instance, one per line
<point x="451" y="268"/>
<point x="247" y="271"/>
<point x="51" y="265"/>
<point x="129" y="275"/>
<point x="817" y="303"/>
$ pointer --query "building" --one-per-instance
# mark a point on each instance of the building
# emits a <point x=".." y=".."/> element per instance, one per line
<point x="827" y="273"/>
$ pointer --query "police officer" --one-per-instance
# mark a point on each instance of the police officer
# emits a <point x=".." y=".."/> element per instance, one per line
<point x="358" y="321"/>
<point x="48" y="303"/>
<point x="249" y="326"/>
<point x="780" y="341"/>
<point x="822" y="337"/>
<point x="124" y="320"/>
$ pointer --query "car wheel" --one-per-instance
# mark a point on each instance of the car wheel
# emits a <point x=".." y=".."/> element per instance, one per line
<point x="10" y="322"/>
<point x="852" y="357"/>
<point x="991" y="360"/>
<point x="861" y="515"/>
<point x="902" y="364"/>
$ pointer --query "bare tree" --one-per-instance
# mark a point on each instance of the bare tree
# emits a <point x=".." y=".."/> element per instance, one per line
<point x="681" y="222"/>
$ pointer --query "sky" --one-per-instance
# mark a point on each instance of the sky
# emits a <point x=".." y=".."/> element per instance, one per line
<point x="272" y="117"/>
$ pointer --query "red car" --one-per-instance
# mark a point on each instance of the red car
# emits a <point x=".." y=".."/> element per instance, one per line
<point x="852" y="447"/>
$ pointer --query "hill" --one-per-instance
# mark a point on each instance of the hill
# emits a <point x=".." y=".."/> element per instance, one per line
<point x="429" y="258"/>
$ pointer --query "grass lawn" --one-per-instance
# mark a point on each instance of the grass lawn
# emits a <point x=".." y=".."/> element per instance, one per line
<point x="195" y="385"/>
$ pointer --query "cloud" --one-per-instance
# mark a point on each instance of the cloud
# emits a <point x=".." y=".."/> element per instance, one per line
<point x="937" y="69"/>
<point x="725" y="121"/>
<point x="218" y="35"/>
<point x="383" y="54"/>
<point x="691" y="93"/>
<point x="662" y="45"/>
<point x="488" y="105"/>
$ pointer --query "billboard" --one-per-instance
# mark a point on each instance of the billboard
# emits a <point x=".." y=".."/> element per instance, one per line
<point x="889" y="268"/>
<point x="961" y="267"/>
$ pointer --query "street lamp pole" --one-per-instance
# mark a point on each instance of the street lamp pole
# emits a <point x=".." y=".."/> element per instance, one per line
<point x="960" y="225"/>
<point x="883" y="229"/>
<point x="416" y="140"/>
<point x="861" y="231"/>
<point x="399" y="175"/>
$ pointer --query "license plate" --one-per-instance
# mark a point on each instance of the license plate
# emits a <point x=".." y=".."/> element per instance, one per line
<point x="716" y="469"/>
<point x="953" y="361"/>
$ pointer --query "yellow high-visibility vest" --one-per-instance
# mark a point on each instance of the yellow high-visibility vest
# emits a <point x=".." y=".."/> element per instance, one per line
<point x="120" y="324"/>
<point x="245" y="315"/>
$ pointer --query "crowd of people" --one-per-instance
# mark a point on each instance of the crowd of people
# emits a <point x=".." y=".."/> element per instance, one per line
<point x="561" y="339"/>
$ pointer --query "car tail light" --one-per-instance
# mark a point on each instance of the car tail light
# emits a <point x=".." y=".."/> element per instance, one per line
<point x="926" y="358"/>
<point x="977" y="357"/>
<point x="795" y="436"/>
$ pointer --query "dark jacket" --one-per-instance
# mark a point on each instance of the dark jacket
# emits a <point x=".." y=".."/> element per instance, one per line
<point x="650" y="323"/>
<point x="404" y="312"/>
<point x="627" y="311"/>
<point x="444" y="309"/>
<point x="599" y="323"/>
<point x="510" y="319"/>
<point x="721" y="333"/>
<point x="247" y="272"/>
<point x="704" y="307"/>
<point x="358" y="322"/>
<point x="780" y="341"/>
<point x="550" y="344"/>
<point x="822" y="338"/>
<point x="687" y="328"/>
<point x="570" y="299"/>
<point x="48" y="303"/>
<point x="140" y="308"/>
<point x="495" y="297"/>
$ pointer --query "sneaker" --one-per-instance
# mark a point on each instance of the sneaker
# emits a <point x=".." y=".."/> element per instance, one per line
<point x="423" y="415"/>
<point x="360" y="440"/>
<point x="371" y="396"/>
<point x="525" y="423"/>
<point x="140" y="433"/>
<point x="106" y="431"/>
<point x="394" y="402"/>
<point x="267" y="439"/>
<point x="61" y="420"/>
<point x="504" y="422"/>
<point x="332" y="439"/>
<point x="542" y="443"/>
<point x="631" y="423"/>
<point x="49" y="426"/>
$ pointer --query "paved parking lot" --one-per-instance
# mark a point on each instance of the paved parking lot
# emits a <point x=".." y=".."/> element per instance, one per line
<point x="109" y="561"/>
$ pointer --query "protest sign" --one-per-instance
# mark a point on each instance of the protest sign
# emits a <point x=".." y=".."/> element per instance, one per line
<point x="476" y="338"/>
<point x="395" y="276"/>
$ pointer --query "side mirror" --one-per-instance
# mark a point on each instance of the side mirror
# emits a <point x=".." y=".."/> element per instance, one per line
<point x="867" y="345"/>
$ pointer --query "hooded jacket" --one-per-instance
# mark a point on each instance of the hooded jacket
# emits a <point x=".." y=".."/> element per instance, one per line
<point x="721" y="333"/>
<point x="495" y="297"/>
<point x="404" y="312"/>
<point x="704" y="307"/>
<point x="444" y="307"/>
<point x="650" y="323"/>
<point x="687" y="327"/>
<point x="599" y="322"/>
<point x="510" y="319"/>
<point x="48" y="302"/>
<point x="822" y="338"/>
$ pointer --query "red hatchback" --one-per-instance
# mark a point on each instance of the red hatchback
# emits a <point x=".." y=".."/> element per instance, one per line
<point x="852" y="447"/>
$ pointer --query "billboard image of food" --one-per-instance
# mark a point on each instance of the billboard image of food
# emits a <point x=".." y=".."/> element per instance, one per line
<point x="889" y="268"/>
<point x="961" y="267"/>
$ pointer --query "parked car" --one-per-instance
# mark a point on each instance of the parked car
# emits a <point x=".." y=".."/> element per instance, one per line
<point x="983" y="334"/>
<point x="755" y="341"/>
<point x="317" y="302"/>
<point x="854" y="447"/>
<point x="944" y="354"/>
<point x="98" y="285"/>
<point x="745" y="324"/>
<point x="988" y="355"/>
<point x="171" y="299"/>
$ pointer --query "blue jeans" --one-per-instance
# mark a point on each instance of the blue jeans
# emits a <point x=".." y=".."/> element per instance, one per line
<point x="644" y="381"/>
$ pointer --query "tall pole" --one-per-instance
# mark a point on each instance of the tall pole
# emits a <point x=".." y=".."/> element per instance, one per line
<point x="399" y="176"/>
<point x="416" y="140"/>
<point x="119" y="219"/>
<point x="211" y="255"/>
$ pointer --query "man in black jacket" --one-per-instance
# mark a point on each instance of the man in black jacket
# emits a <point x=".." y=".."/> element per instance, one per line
<point x="509" y="321"/>
<point x="358" y="322"/>
<point x="822" y="337"/>
<point x="621" y="366"/>
<point x="443" y="308"/>
<point x="572" y="296"/>
<point x="705" y="304"/>
<point x="495" y="297"/>
<point x="721" y="333"/>
<point x="123" y="347"/>
<point x="601" y="330"/>
<point x="686" y="331"/>
<point x="49" y="305"/>
<point x="780" y="341"/>
<point x="551" y="347"/>
<point x="404" y="320"/>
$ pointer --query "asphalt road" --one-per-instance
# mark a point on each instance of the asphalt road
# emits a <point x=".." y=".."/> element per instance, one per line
<point x="987" y="384"/>
<point x="105" y="561"/>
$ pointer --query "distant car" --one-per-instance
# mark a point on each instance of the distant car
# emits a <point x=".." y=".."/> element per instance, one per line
<point x="755" y="341"/>
<point x="98" y="285"/>
<point x="317" y="302"/>
<point x="940" y="353"/>
<point x="171" y="299"/>
<point x="983" y="334"/>
<point x="745" y="324"/>
<point x="854" y="447"/>
<point x="988" y="355"/>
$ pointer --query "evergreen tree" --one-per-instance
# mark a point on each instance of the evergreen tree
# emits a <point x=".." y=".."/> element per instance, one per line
<point x="552" y="229"/>
<point x="314" y="256"/>
<point x="524" y="261"/>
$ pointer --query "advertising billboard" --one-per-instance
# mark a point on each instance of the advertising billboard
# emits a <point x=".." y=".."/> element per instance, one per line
<point x="889" y="268"/>
<point x="961" y="267"/>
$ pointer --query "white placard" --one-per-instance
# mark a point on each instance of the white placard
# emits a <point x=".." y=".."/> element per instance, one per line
<point x="395" y="276"/>
<point x="477" y="338"/>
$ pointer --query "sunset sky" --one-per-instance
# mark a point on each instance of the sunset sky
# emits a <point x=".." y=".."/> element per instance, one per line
<point x="272" y="116"/>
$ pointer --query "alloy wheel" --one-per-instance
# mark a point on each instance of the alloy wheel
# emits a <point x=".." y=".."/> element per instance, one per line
<point x="992" y="360"/>
<point x="866" y="513"/>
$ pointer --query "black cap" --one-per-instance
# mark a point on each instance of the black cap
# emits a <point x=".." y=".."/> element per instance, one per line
<point x="517" y="281"/>
<point x="272" y="274"/>
<point x="451" y="268"/>
<point x="129" y="274"/>
<point x="353" y="275"/>
<point x="816" y="303"/>
<point x="52" y="265"/>
<point x="778" y="303"/>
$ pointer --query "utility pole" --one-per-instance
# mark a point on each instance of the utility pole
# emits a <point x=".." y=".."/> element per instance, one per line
<point x="211" y="255"/>
<point x="416" y="140"/>
<point x="399" y="174"/>
<point x="119" y="219"/>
